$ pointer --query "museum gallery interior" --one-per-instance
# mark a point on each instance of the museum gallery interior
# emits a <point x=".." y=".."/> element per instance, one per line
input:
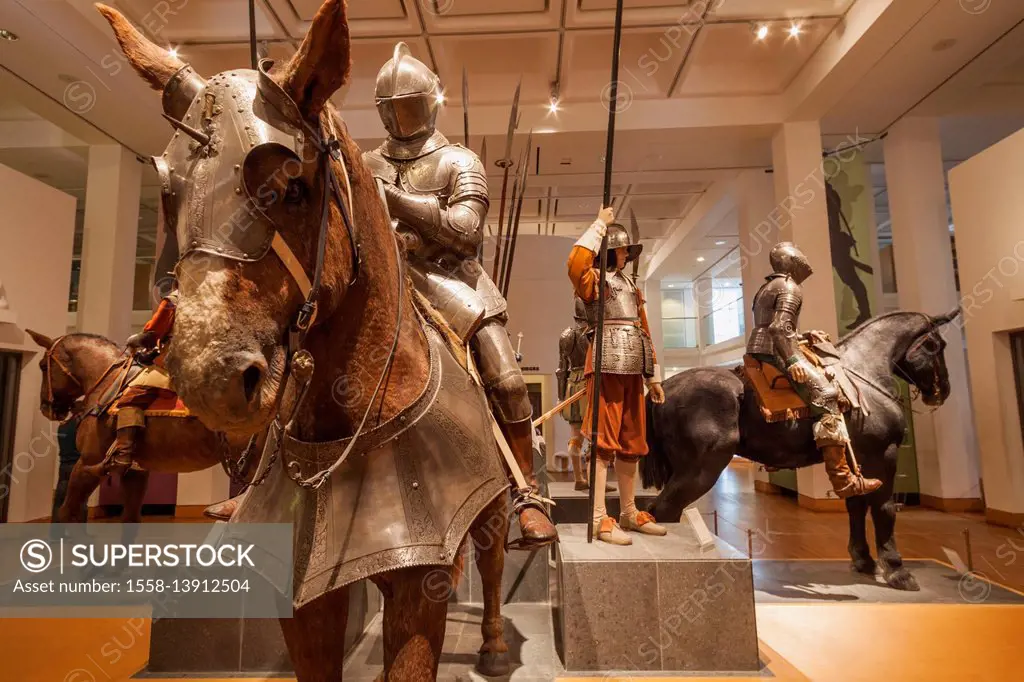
<point x="519" y="340"/>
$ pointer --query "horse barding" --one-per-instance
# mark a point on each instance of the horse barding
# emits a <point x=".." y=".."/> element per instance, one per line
<point x="291" y="285"/>
<point x="710" y="414"/>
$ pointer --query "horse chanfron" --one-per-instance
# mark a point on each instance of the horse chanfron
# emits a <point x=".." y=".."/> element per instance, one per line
<point x="246" y="173"/>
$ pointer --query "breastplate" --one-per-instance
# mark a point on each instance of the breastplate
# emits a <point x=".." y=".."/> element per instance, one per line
<point x="620" y="301"/>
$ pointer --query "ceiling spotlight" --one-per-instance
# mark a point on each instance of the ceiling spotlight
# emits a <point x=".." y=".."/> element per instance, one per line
<point x="761" y="32"/>
<point x="173" y="52"/>
<point x="795" y="30"/>
<point x="553" y="106"/>
<point x="700" y="259"/>
<point x="8" y="35"/>
<point x="720" y="242"/>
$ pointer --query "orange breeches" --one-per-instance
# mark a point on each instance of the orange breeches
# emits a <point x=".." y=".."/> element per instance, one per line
<point x="622" y="425"/>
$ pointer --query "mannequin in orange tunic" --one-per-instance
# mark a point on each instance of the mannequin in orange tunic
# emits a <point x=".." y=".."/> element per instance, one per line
<point x="627" y="363"/>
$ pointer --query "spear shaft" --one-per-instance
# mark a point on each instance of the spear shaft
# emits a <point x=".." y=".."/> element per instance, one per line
<point x="603" y="261"/>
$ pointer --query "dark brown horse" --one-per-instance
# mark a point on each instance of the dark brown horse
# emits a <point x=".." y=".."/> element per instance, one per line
<point x="86" y="366"/>
<point x="710" y="415"/>
<point x="233" y="358"/>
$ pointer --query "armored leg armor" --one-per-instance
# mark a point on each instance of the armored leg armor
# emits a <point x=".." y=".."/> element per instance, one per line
<point x="506" y="391"/>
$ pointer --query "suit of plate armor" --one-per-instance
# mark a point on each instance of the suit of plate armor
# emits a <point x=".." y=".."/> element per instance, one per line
<point x="436" y="193"/>
<point x="776" y="340"/>
<point x="572" y="351"/>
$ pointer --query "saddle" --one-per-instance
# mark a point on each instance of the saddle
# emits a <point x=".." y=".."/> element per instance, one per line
<point x="776" y="396"/>
<point x="140" y="375"/>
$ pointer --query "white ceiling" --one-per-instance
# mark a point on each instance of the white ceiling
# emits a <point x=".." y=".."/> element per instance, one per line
<point x="704" y="96"/>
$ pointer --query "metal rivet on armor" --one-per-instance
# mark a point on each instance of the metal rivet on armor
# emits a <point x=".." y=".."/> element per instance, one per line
<point x="237" y="167"/>
<point x="195" y="242"/>
<point x="415" y="485"/>
<point x="401" y="418"/>
<point x="238" y="190"/>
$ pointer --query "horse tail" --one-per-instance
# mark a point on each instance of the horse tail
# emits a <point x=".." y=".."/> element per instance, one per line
<point x="655" y="468"/>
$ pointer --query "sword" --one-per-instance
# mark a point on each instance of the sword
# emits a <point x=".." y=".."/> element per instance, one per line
<point x="519" y="213"/>
<point x="505" y="163"/>
<point x="599" y="341"/>
<point x="634" y="232"/>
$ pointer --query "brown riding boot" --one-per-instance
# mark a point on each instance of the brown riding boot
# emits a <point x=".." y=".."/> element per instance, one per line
<point x="121" y="456"/>
<point x="224" y="510"/>
<point x="844" y="482"/>
<point x="535" y="526"/>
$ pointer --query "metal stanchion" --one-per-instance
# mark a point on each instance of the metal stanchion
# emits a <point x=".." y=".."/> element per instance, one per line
<point x="966" y="532"/>
<point x="750" y="544"/>
<point x="715" y="513"/>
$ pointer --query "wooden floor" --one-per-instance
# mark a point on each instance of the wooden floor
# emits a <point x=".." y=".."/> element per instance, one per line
<point x="784" y="530"/>
<point x="820" y="642"/>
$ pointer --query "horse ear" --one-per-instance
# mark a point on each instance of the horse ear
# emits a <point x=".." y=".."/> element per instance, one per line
<point x="323" y="61"/>
<point x="155" y="64"/>
<point x="948" y="317"/>
<point x="42" y="340"/>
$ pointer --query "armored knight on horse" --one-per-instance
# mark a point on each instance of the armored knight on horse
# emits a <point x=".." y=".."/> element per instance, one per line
<point x="436" y="193"/>
<point x="776" y="340"/>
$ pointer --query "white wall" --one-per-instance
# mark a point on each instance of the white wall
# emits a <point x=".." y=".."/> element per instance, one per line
<point x="37" y="227"/>
<point x="540" y="305"/>
<point x="987" y="209"/>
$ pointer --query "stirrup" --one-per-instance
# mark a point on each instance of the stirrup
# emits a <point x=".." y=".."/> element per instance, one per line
<point x="527" y="497"/>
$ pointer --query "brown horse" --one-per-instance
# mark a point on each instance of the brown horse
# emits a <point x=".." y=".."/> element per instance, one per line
<point x="237" y="187"/>
<point x="86" y="366"/>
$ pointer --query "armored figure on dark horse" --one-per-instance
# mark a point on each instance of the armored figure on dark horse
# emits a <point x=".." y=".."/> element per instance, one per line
<point x="711" y="413"/>
<point x="297" y="314"/>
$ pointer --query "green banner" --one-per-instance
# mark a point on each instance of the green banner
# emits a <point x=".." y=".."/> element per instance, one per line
<point x="851" y="218"/>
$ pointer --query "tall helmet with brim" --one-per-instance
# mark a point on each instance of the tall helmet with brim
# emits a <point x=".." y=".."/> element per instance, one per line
<point x="407" y="96"/>
<point x="787" y="259"/>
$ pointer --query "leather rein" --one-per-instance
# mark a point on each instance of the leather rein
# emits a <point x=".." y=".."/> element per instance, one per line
<point x="301" y="365"/>
<point x="914" y="390"/>
<point x="51" y="358"/>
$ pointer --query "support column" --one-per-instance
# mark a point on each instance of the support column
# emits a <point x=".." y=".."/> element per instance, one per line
<point x="947" y="449"/>
<point x="758" y="233"/>
<point x="107" y="279"/>
<point x="802" y="217"/>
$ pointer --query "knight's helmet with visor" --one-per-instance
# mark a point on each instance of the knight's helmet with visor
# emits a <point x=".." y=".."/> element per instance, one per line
<point x="408" y="96"/>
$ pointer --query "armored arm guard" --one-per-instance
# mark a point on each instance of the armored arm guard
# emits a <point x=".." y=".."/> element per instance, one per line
<point x="457" y="224"/>
<point x="564" y="349"/>
<point x="783" y="328"/>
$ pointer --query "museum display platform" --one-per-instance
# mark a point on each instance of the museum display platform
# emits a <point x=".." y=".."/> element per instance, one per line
<point x="660" y="604"/>
<point x="573" y="506"/>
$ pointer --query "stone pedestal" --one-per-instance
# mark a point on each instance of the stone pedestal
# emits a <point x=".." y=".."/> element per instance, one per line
<point x="226" y="646"/>
<point x="573" y="506"/>
<point x="661" y="604"/>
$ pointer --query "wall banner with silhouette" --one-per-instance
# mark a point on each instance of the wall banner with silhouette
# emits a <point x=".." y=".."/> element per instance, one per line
<point x="853" y="236"/>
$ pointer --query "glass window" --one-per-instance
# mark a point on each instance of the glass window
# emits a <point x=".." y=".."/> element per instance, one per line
<point x="678" y="317"/>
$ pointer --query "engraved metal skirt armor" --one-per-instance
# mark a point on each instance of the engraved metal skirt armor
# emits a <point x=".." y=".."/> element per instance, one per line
<point x="627" y="350"/>
<point x="425" y="476"/>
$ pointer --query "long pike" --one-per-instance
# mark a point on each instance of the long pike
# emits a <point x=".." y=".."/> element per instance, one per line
<point x="634" y="233"/>
<point x="505" y="163"/>
<point x="519" y="212"/>
<point x="595" y="405"/>
<point x="465" y="108"/>
<point x="516" y="185"/>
